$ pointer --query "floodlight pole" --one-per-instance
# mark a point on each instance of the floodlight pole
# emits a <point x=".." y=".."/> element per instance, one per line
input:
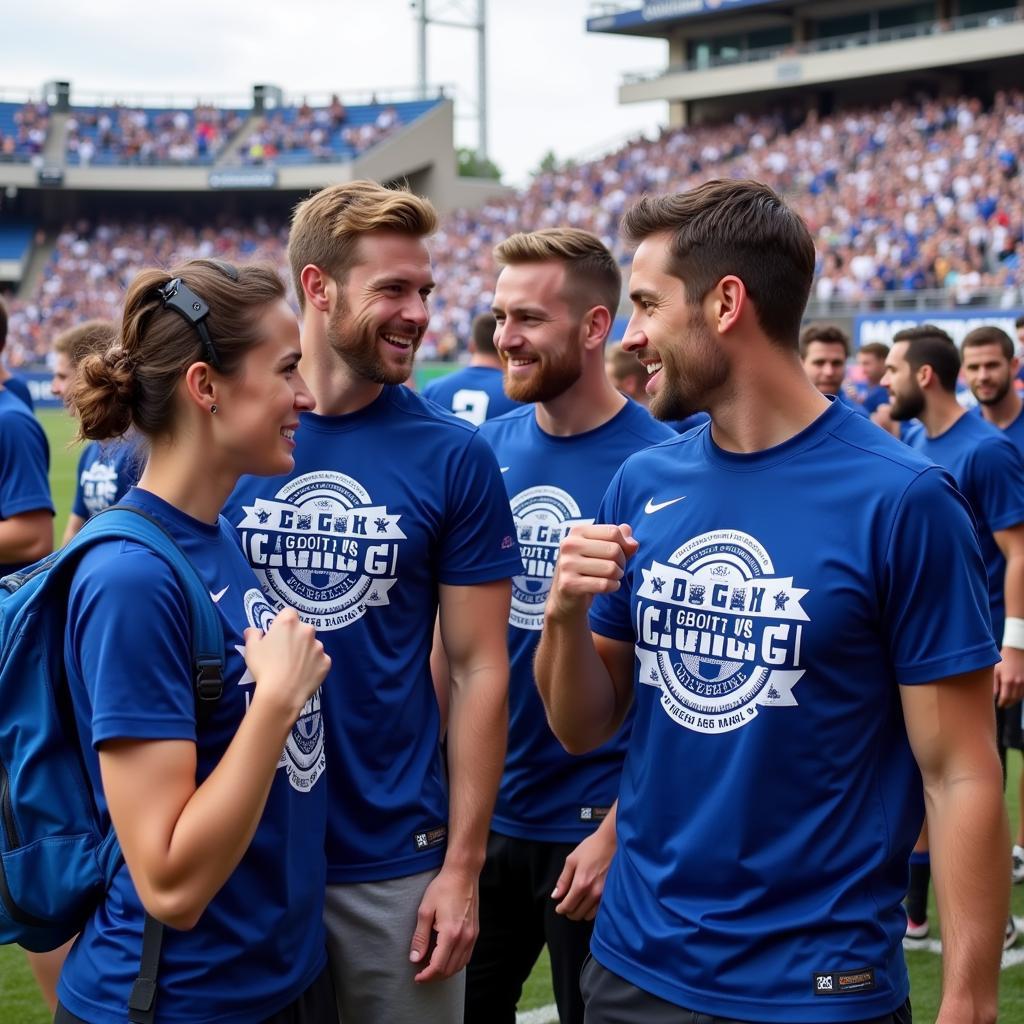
<point x="478" y="25"/>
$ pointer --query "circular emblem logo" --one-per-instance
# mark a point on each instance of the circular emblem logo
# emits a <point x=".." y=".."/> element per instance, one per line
<point x="303" y="757"/>
<point x="720" y="632"/>
<point x="544" y="516"/>
<point x="323" y="548"/>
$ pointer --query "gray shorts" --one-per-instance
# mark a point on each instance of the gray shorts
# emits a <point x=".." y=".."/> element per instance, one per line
<point x="369" y="930"/>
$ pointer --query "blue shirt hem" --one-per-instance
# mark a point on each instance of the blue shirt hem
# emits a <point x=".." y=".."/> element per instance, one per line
<point x="402" y="868"/>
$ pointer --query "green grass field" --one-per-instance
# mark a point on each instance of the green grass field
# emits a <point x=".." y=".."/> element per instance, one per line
<point x="20" y="1003"/>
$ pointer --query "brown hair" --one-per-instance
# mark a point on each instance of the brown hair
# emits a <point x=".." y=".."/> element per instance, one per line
<point x="133" y="382"/>
<point x="590" y="269"/>
<point x="829" y="334"/>
<point x="990" y="335"/>
<point x="483" y="329"/>
<point x="734" y="227"/>
<point x="875" y="348"/>
<point x="326" y="228"/>
<point x="928" y="345"/>
<point x="93" y="337"/>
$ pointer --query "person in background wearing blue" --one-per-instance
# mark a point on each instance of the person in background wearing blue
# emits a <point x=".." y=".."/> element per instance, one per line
<point x="921" y="374"/>
<point x="474" y="393"/>
<point x="553" y="830"/>
<point x="990" y="365"/>
<point x="765" y="593"/>
<point x="105" y="470"/>
<point x="395" y="511"/>
<point x="824" y="350"/>
<point x="221" y="829"/>
<point x="8" y="382"/>
<point x="629" y="375"/>
<point x="871" y="360"/>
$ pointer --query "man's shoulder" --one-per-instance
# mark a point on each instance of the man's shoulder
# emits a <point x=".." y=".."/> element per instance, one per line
<point x="409" y="405"/>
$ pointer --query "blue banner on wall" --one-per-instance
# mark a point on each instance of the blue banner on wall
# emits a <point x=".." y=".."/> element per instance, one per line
<point x="664" y="10"/>
<point x="39" y="389"/>
<point x="956" y="323"/>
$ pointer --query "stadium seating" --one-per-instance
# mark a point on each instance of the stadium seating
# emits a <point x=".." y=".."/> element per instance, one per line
<point x="304" y="134"/>
<point x="23" y="128"/>
<point x="150" y="135"/>
<point x="917" y="195"/>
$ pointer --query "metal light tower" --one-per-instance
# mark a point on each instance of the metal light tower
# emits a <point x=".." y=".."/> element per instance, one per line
<point x="470" y="14"/>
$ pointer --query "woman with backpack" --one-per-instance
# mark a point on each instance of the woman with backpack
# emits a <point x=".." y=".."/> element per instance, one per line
<point x="222" y="836"/>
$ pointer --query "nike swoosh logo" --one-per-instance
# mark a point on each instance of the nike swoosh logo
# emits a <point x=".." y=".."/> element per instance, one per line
<point x="651" y="506"/>
<point x="504" y="469"/>
<point x="220" y="593"/>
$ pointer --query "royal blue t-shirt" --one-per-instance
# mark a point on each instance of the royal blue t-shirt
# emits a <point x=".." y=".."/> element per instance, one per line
<point x="19" y="388"/>
<point x="106" y="470"/>
<point x="874" y="396"/>
<point x="989" y="473"/>
<point x="474" y="394"/>
<point x="554" y="483"/>
<point x="24" y="464"/>
<point x="846" y="400"/>
<point x="1014" y="431"/>
<point x="260" y="942"/>
<point x="688" y="423"/>
<point x="769" y="798"/>
<point x="382" y="506"/>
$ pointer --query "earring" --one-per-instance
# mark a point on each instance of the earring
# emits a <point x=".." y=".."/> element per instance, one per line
<point x="213" y="410"/>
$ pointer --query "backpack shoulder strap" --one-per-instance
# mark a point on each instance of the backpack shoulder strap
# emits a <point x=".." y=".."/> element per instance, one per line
<point x="123" y="522"/>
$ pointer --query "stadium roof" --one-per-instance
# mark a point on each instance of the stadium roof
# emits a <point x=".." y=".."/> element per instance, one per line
<point x="649" y="18"/>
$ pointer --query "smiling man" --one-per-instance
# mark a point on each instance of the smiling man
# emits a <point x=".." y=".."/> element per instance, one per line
<point x="764" y="593"/>
<point x="394" y="510"/>
<point x="553" y="833"/>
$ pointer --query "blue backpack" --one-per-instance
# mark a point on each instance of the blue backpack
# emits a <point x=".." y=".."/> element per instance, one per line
<point x="56" y="861"/>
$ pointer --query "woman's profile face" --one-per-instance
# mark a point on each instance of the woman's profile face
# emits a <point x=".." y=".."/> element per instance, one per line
<point x="260" y="410"/>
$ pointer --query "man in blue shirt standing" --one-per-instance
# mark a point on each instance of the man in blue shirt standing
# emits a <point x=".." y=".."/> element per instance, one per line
<point x="474" y="393"/>
<point x="394" y="511"/>
<point x="553" y="831"/>
<point x="921" y="373"/>
<point x="990" y="366"/>
<point x="8" y="382"/>
<point x="824" y="349"/>
<point x="763" y="593"/>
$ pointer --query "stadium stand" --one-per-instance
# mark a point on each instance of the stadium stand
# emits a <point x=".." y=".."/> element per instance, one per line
<point x="23" y="128"/>
<point x="125" y="135"/>
<point x="304" y="134"/>
<point x="906" y="195"/>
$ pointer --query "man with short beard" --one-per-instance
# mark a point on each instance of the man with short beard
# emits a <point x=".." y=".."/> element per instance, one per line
<point x="394" y="512"/>
<point x="921" y="373"/>
<point x="553" y="831"/>
<point x="788" y="601"/>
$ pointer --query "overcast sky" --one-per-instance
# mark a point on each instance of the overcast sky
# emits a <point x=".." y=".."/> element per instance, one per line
<point x="551" y="84"/>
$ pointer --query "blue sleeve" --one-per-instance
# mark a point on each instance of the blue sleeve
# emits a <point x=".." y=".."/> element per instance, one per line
<point x="430" y="390"/>
<point x="478" y="543"/>
<point x="129" y="645"/>
<point x="610" y="614"/>
<point x="933" y="550"/>
<point x="999" y="485"/>
<point x="24" y="467"/>
<point x="78" y="506"/>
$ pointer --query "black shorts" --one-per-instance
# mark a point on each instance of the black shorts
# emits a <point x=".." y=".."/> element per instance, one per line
<point x="1008" y="727"/>
<point x="316" y="1005"/>
<point x="613" y="1000"/>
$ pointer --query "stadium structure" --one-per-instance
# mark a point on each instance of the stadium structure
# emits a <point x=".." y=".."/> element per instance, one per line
<point x="895" y="129"/>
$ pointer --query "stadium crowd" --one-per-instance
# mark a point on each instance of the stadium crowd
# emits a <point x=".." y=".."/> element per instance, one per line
<point x="28" y="136"/>
<point x="905" y="196"/>
<point x="138" y="136"/>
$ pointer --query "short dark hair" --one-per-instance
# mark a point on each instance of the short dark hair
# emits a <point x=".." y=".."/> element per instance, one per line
<point x="829" y="334"/>
<point x="875" y="348"/>
<point x="734" y="227"/>
<point x="482" y="331"/>
<point x="1019" y="322"/>
<point x="990" y="335"/>
<point x="929" y="345"/>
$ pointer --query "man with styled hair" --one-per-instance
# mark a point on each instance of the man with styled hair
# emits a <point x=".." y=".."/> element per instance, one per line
<point x="824" y="349"/>
<point x="8" y="382"/>
<point x="474" y="393"/>
<point x="754" y="590"/>
<point x="990" y="366"/>
<point x="394" y="512"/>
<point x="921" y="374"/>
<point x="553" y="831"/>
